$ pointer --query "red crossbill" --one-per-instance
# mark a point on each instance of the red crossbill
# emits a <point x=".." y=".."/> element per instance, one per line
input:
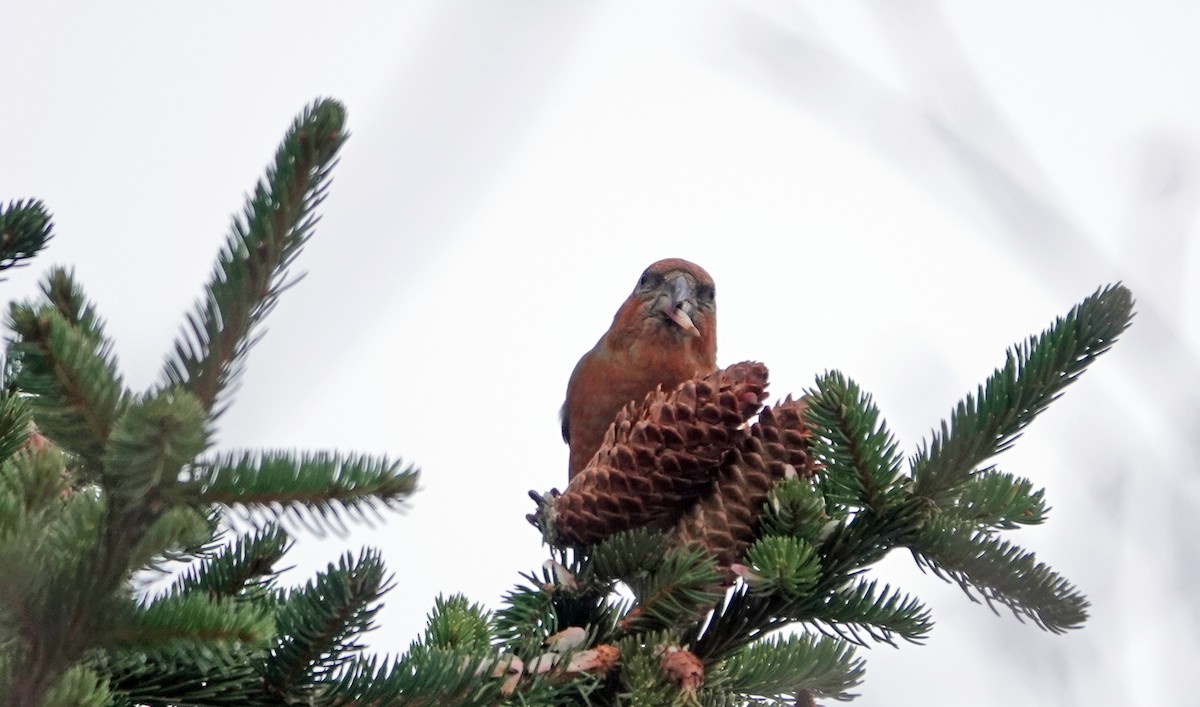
<point x="664" y="334"/>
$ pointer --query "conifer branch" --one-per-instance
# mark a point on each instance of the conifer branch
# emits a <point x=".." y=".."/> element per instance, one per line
<point x="543" y="605"/>
<point x="747" y="615"/>
<point x="533" y="673"/>
<point x="530" y="614"/>
<point x="210" y="674"/>
<point x="25" y="227"/>
<point x="644" y="680"/>
<point x="423" y="679"/>
<point x="783" y="565"/>
<point x="75" y="391"/>
<point x="193" y="618"/>
<point x="717" y="697"/>
<point x="114" y="488"/>
<point x="996" y="499"/>
<point x="252" y="268"/>
<point x="627" y="553"/>
<point x="80" y="686"/>
<point x="431" y="679"/>
<point x="14" y="423"/>
<point x="861" y="457"/>
<point x="866" y="538"/>
<point x="780" y="665"/>
<point x="456" y="624"/>
<point x="880" y="613"/>
<point x="319" y="623"/>
<point x="12" y="513"/>
<point x="248" y="563"/>
<point x="149" y="446"/>
<point x="315" y="490"/>
<point x="1034" y="375"/>
<point x="48" y="542"/>
<point x="1001" y="573"/>
<point x="151" y="443"/>
<point x="741" y="619"/>
<point x="681" y="588"/>
<point x="796" y="509"/>
<point x="177" y="533"/>
<point x="45" y="609"/>
<point x="62" y="292"/>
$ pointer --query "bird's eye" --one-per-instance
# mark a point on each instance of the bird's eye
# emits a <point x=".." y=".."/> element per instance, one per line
<point x="707" y="293"/>
<point x="648" y="279"/>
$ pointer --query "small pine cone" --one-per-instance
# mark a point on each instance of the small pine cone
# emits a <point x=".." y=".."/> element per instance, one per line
<point x="683" y="668"/>
<point x="725" y="520"/>
<point x="659" y="456"/>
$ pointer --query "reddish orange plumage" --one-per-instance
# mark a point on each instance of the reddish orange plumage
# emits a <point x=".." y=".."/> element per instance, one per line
<point x="664" y="334"/>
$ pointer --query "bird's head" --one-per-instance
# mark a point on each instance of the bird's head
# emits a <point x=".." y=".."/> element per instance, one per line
<point x="673" y="299"/>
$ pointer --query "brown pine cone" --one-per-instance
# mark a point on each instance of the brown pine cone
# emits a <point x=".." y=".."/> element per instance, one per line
<point x="724" y="521"/>
<point x="659" y="456"/>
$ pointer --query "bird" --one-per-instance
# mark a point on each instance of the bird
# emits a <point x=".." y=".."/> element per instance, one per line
<point x="664" y="333"/>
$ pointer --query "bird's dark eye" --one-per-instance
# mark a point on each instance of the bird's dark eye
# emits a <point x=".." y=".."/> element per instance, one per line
<point x="706" y="293"/>
<point x="649" y="279"/>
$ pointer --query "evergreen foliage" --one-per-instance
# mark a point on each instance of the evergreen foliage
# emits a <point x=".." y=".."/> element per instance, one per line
<point x="25" y="227"/>
<point x="102" y="487"/>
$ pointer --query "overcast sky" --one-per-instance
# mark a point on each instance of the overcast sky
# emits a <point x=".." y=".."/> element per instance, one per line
<point x="893" y="189"/>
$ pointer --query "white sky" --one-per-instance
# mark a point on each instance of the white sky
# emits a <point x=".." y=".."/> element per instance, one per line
<point x="886" y="188"/>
